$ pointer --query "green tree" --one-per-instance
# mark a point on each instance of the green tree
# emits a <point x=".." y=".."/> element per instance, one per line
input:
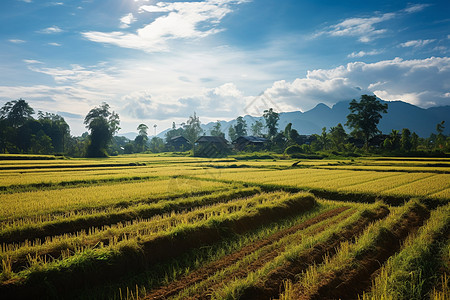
<point x="287" y="132"/>
<point x="256" y="128"/>
<point x="323" y="139"/>
<point x="271" y="117"/>
<point x="414" y="141"/>
<point x="240" y="127"/>
<point x="217" y="130"/>
<point x="41" y="143"/>
<point x="232" y="133"/>
<point x="440" y="138"/>
<point x="141" y="140"/>
<point x="392" y="142"/>
<point x="338" y="137"/>
<point x="157" y="145"/>
<point x="175" y="131"/>
<point x="16" y="112"/>
<point x="291" y="135"/>
<point x="56" y="128"/>
<point x="192" y="129"/>
<point x="405" y="140"/>
<point x="364" y="117"/>
<point x="102" y="125"/>
<point x="142" y="128"/>
<point x="14" y="136"/>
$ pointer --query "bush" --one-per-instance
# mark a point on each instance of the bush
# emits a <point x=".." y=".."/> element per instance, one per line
<point x="294" y="149"/>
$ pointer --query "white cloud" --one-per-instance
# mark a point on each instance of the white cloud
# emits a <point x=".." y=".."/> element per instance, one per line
<point x="366" y="28"/>
<point x="419" y="82"/>
<point x="182" y="20"/>
<point x="51" y="30"/>
<point x="416" y="43"/>
<point x="364" y="53"/>
<point x="32" y="61"/>
<point x="362" y="28"/>
<point x="127" y="20"/>
<point x="17" y="41"/>
<point x="416" y="8"/>
<point x="55" y="44"/>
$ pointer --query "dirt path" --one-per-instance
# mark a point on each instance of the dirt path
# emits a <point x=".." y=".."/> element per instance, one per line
<point x="271" y="287"/>
<point x="208" y="270"/>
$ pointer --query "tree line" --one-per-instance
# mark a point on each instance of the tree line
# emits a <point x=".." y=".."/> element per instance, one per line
<point x="20" y="132"/>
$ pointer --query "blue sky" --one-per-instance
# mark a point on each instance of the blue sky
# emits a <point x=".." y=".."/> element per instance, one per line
<point x="156" y="62"/>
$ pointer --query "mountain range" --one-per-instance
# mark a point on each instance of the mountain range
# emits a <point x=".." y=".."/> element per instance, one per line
<point x="400" y="115"/>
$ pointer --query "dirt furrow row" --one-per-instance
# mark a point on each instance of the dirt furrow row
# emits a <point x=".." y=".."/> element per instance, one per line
<point x="266" y="257"/>
<point x="351" y="282"/>
<point x="206" y="271"/>
<point x="271" y="287"/>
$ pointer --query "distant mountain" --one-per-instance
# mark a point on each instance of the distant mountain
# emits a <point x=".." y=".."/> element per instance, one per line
<point x="129" y="135"/>
<point x="400" y="115"/>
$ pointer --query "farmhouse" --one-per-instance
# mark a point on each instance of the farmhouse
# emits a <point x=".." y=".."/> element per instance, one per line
<point x="178" y="143"/>
<point x="243" y="141"/>
<point x="211" y="146"/>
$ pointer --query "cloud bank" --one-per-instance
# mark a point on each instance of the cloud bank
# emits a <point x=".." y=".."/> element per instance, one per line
<point x="422" y="82"/>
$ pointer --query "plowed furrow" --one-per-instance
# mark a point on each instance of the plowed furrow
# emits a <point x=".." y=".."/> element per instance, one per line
<point x="267" y="256"/>
<point x="206" y="271"/>
<point x="350" y="282"/>
<point x="271" y="287"/>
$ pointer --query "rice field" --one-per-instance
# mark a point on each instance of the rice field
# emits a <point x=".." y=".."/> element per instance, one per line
<point x="166" y="227"/>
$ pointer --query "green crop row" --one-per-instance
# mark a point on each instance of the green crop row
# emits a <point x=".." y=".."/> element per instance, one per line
<point x="411" y="273"/>
<point x="347" y="274"/>
<point x="175" y="235"/>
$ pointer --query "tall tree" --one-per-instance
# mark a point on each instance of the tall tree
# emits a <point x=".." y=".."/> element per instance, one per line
<point x="323" y="139"/>
<point x="364" y="117"/>
<point x="56" y="128"/>
<point x="414" y="141"/>
<point x="102" y="125"/>
<point x="216" y="130"/>
<point x="392" y="142"/>
<point x="405" y="140"/>
<point x="175" y="131"/>
<point x="232" y="133"/>
<point x="271" y="117"/>
<point x="17" y="126"/>
<point x="141" y="140"/>
<point x="16" y="112"/>
<point x="291" y="135"/>
<point x="240" y="127"/>
<point x="157" y="144"/>
<point x="142" y="128"/>
<point x="256" y="128"/>
<point x="338" y="137"/>
<point x="440" y="138"/>
<point x="192" y="129"/>
<point x="287" y="132"/>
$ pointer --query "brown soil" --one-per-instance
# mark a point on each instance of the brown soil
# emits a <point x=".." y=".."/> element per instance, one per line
<point x="351" y="282"/>
<point x="208" y="270"/>
<point x="272" y="285"/>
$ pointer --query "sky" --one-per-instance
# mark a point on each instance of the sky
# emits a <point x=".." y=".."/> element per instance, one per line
<point x="158" y="62"/>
